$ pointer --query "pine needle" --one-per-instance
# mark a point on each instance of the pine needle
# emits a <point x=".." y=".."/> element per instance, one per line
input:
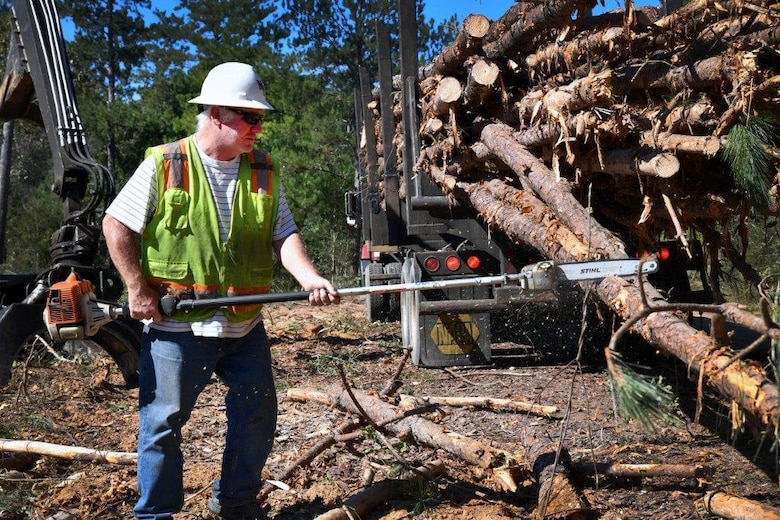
<point x="746" y="153"/>
<point x="637" y="396"/>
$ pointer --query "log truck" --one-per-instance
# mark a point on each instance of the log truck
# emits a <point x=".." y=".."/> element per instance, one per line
<point x="411" y="232"/>
<point x="37" y="86"/>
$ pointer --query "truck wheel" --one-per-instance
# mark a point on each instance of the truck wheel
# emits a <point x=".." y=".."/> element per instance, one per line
<point x="410" y="310"/>
<point x="393" y="270"/>
<point x="376" y="304"/>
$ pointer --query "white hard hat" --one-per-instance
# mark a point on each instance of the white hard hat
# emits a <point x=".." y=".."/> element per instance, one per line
<point x="233" y="84"/>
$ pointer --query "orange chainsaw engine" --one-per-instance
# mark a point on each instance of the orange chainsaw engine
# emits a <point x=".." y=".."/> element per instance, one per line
<point x="72" y="312"/>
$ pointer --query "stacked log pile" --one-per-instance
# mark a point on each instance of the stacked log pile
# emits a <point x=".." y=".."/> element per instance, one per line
<point x="592" y="136"/>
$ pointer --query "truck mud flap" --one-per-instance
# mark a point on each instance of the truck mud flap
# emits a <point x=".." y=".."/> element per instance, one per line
<point x="19" y="323"/>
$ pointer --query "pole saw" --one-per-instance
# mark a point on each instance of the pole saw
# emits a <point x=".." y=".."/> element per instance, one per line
<point x="73" y="312"/>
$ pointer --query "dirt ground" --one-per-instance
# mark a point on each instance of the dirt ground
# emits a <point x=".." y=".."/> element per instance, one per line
<point x="81" y="402"/>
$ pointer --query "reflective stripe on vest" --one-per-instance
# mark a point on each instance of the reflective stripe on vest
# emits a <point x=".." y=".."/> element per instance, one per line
<point x="176" y="167"/>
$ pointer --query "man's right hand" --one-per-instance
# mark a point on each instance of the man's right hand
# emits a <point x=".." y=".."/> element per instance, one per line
<point x="144" y="303"/>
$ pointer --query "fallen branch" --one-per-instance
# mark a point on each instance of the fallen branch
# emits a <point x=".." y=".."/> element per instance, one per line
<point x="309" y="456"/>
<point x="474" y="451"/>
<point x="358" y="505"/>
<point x="490" y="403"/>
<point x="68" y="452"/>
<point x="616" y="469"/>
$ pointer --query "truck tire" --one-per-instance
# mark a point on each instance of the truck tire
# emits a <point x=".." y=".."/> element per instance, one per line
<point x="376" y="304"/>
<point x="393" y="270"/>
<point x="121" y="339"/>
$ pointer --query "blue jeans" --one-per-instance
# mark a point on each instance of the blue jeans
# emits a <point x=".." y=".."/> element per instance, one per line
<point x="174" y="369"/>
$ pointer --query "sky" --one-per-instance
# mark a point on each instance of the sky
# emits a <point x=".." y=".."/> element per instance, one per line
<point x="441" y="10"/>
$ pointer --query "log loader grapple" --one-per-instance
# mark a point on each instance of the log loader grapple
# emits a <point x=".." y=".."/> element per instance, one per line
<point x="37" y="86"/>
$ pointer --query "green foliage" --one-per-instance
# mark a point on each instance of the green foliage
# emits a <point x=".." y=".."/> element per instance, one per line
<point x="31" y="223"/>
<point x="637" y="396"/>
<point x="222" y="30"/>
<point x="308" y="140"/>
<point x="421" y="493"/>
<point x="751" y="165"/>
<point x="337" y="55"/>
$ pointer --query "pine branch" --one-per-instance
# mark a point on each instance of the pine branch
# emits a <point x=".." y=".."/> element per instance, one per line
<point x="639" y="397"/>
<point x="751" y="165"/>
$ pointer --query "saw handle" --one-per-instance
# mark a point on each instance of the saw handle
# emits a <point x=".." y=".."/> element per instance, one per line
<point x="170" y="304"/>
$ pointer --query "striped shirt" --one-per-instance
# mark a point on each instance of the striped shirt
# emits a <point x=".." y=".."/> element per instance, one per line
<point x="136" y="204"/>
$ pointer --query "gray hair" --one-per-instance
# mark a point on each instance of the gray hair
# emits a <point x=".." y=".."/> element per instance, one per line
<point x="226" y="116"/>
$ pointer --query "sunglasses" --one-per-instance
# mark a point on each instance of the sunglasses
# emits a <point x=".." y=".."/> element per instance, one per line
<point x="250" y="118"/>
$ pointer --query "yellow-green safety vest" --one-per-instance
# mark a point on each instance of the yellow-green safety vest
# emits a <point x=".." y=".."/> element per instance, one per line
<point x="182" y="253"/>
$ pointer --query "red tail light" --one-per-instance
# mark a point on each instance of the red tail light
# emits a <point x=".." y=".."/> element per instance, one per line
<point x="473" y="262"/>
<point x="663" y="254"/>
<point x="432" y="264"/>
<point x="452" y="263"/>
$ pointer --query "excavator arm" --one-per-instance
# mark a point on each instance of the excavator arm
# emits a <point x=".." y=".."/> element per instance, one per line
<point x="38" y="86"/>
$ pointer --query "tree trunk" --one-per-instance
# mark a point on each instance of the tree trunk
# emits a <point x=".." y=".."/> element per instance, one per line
<point x="635" y="161"/>
<point x="483" y="75"/>
<point x="446" y="94"/>
<point x="520" y="215"/>
<point x="558" y="496"/>
<point x="499" y="139"/>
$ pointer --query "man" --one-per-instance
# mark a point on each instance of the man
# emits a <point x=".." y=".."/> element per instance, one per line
<point x="210" y="212"/>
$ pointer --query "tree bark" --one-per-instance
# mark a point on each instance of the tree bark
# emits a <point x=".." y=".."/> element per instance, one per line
<point x="520" y="215"/>
<point x="637" y="161"/>
<point x="581" y="93"/>
<point x="499" y="139"/>
<point x="536" y="20"/>
<point x="700" y="144"/>
<point x="490" y="403"/>
<point x="617" y="469"/>
<point x="572" y="52"/>
<point x="726" y="505"/>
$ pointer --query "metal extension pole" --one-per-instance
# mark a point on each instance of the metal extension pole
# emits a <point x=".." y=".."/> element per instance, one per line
<point x="169" y="304"/>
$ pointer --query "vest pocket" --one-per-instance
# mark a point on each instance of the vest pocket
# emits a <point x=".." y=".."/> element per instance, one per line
<point x="263" y="220"/>
<point x="177" y="205"/>
<point x="173" y="271"/>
